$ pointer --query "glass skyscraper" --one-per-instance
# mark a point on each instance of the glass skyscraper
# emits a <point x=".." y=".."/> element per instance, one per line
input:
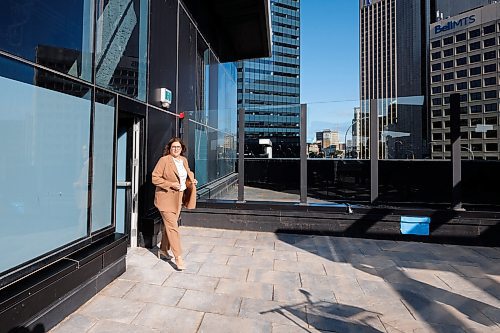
<point x="269" y="88"/>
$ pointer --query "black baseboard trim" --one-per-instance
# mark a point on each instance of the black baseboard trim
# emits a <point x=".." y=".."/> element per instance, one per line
<point x="36" y="303"/>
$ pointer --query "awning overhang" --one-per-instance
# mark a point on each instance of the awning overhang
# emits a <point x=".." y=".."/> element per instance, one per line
<point x="235" y="29"/>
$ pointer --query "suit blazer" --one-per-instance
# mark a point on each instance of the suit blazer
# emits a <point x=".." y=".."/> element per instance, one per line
<point x="164" y="175"/>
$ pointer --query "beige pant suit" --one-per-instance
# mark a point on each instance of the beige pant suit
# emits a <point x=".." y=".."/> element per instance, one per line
<point x="169" y="201"/>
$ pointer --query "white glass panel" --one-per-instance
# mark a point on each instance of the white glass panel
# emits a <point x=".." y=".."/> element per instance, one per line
<point x="44" y="141"/>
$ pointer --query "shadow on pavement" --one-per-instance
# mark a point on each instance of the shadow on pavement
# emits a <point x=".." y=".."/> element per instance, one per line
<point x="455" y="301"/>
<point x="323" y="315"/>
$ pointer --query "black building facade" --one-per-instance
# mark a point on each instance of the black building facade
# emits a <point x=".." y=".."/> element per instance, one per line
<point x="84" y="126"/>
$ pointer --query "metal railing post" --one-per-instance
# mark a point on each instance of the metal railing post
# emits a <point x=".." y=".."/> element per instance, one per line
<point x="373" y="150"/>
<point x="241" y="155"/>
<point x="303" y="154"/>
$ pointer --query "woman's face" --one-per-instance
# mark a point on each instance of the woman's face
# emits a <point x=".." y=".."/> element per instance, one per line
<point x="175" y="149"/>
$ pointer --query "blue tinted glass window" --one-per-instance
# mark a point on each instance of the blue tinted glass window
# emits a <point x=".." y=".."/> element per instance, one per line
<point x="56" y="33"/>
<point x="121" y="46"/>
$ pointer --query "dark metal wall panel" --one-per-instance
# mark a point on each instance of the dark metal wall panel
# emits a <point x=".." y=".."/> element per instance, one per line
<point x="162" y="50"/>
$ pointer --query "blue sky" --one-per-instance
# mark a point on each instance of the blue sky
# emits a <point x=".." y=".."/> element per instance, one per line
<point x="329" y="63"/>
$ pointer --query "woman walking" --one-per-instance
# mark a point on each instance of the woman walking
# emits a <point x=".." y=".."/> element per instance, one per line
<point x="175" y="187"/>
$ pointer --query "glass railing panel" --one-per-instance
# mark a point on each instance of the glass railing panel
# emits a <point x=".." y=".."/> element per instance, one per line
<point x="338" y="169"/>
<point x="272" y="154"/>
<point x="415" y="151"/>
<point x="480" y="183"/>
<point x="214" y="158"/>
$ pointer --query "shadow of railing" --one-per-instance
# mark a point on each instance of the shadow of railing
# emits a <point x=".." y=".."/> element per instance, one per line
<point x="464" y="288"/>
<point x="328" y="316"/>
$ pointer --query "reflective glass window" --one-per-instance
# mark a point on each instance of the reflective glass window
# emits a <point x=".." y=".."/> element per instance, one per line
<point x="491" y="147"/>
<point x="437" y="148"/>
<point x="461" y="73"/>
<point x="474" y="46"/>
<point x="492" y="107"/>
<point x="437" y="136"/>
<point x="436" y="67"/>
<point x="489" y="42"/>
<point x="448" y="40"/>
<point x="476" y="135"/>
<point x="490" y="68"/>
<point x="448" y="76"/>
<point x="489" y="81"/>
<point x="476" y="96"/>
<point x="448" y="64"/>
<point x="475" y="83"/>
<point x="491" y="134"/>
<point x="476" y="147"/>
<point x="474" y="33"/>
<point x="476" y="109"/>
<point x="474" y="58"/>
<point x="490" y="55"/>
<point x="460" y="49"/>
<point x="461" y="37"/>
<point x="436" y="78"/>
<point x="56" y="34"/>
<point x="121" y="46"/>
<point x="490" y="120"/>
<point x="45" y="162"/>
<point x="475" y="71"/>
<point x="490" y="94"/>
<point x="437" y="113"/>
<point x="476" y="121"/>
<point x="436" y="90"/>
<point x="461" y="61"/>
<point x="436" y="43"/>
<point x="437" y="124"/>
<point x="489" y="29"/>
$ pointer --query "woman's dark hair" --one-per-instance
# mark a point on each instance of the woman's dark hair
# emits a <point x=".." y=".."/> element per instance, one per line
<point x="166" y="151"/>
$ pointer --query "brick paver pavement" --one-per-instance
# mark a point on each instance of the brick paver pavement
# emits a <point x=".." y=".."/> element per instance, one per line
<point x="242" y="281"/>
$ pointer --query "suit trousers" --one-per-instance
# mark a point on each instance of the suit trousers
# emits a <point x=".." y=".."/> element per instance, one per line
<point x="170" y="238"/>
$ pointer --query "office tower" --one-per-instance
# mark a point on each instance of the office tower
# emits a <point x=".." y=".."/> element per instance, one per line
<point x="269" y="88"/>
<point x="393" y="65"/>
<point x="442" y="9"/>
<point x="464" y="59"/>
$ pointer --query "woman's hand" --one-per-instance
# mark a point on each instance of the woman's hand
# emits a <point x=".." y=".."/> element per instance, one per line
<point x="195" y="182"/>
<point x="176" y="186"/>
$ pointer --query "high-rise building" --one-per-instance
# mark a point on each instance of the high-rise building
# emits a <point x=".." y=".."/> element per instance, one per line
<point x="393" y="65"/>
<point x="464" y="59"/>
<point x="269" y="88"/>
<point x="442" y="9"/>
